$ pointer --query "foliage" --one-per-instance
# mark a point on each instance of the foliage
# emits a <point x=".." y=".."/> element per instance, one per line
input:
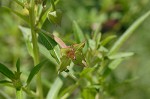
<point x="81" y="63"/>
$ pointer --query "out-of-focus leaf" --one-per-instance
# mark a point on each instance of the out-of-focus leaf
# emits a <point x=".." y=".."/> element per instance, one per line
<point x="51" y="45"/>
<point x="92" y="44"/>
<point x="5" y="82"/>
<point x="86" y="71"/>
<point x="68" y="91"/>
<point x="55" y="16"/>
<point x="127" y="33"/>
<point x="53" y="92"/>
<point x="34" y="71"/>
<point x="89" y="93"/>
<point x="78" y="34"/>
<point x="65" y="61"/>
<point x="78" y="46"/>
<point x="25" y="18"/>
<point x="113" y="65"/>
<point x="121" y="55"/>
<point x="28" y="39"/>
<point x="5" y="71"/>
<point x="107" y="40"/>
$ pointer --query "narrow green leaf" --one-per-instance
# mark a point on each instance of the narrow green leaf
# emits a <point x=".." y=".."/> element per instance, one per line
<point x="68" y="91"/>
<point x="34" y="71"/>
<point x="108" y="39"/>
<point x="65" y="61"/>
<point x="51" y="45"/>
<point x="18" y="65"/>
<point x="28" y="39"/>
<point x="47" y="54"/>
<point x="127" y="33"/>
<point x="5" y="71"/>
<point x="53" y="92"/>
<point x="121" y="55"/>
<point x="79" y="36"/>
<point x="113" y="65"/>
<point x="78" y="46"/>
<point x="25" y="18"/>
<point x="5" y="82"/>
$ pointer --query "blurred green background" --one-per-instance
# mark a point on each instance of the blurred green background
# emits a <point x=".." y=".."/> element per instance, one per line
<point x="111" y="16"/>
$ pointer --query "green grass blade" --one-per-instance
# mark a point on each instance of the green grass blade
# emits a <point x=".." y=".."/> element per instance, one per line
<point x="5" y="71"/>
<point x="34" y="71"/>
<point x="127" y="33"/>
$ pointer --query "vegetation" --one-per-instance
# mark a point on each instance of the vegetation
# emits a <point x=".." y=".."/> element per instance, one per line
<point x="70" y="50"/>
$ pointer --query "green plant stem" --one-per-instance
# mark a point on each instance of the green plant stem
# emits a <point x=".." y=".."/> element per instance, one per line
<point x="19" y="94"/>
<point x="35" y="49"/>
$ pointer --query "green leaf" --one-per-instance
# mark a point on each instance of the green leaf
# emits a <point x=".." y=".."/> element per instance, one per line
<point x="5" y="71"/>
<point x="34" y="71"/>
<point x="44" y="14"/>
<point x="78" y="34"/>
<point x="5" y="82"/>
<point x="28" y="39"/>
<point x="68" y="91"/>
<point x="113" y="65"/>
<point x="128" y="33"/>
<point x="51" y="45"/>
<point x="78" y="46"/>
<point x="92" y="44"/>
<point x="53" y="92"/>
<point x="65" y="61"/>
<point x="79" y="59"/>
<point x="121" y="55"/>
<point x="25" y="18"/>
<point x="89" y="93"/>
<point x="55" y="16"/>
<point x="47" y="54"/>
<point x="107" y="40"/>
<point x="18" y="65"/>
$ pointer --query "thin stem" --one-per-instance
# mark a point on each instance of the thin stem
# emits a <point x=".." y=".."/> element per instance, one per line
<point x="19" y="94"/>
<point x="35" y="49"/>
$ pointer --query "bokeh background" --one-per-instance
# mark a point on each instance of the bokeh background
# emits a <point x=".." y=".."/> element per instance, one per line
<point x="111" y="16"/>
